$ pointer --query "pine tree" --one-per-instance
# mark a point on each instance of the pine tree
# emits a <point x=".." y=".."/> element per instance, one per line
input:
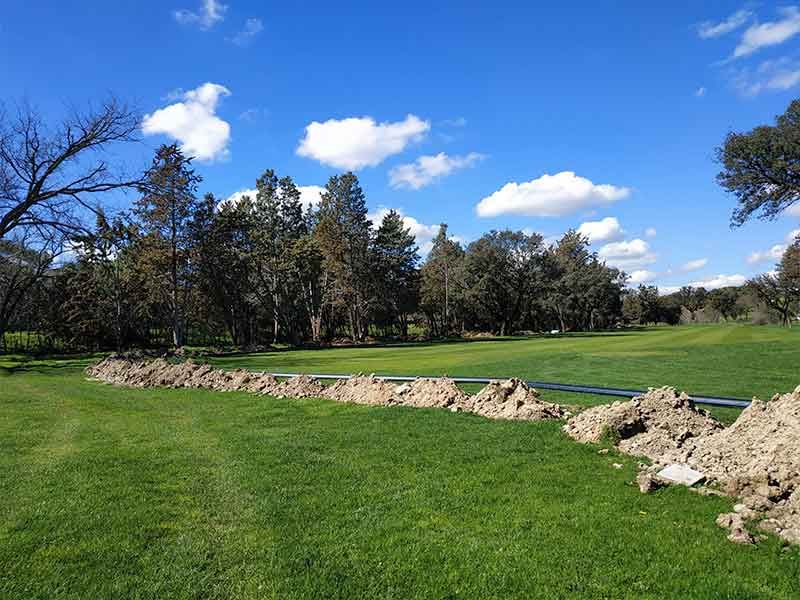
<point x="343" y="236"/>
<point x="165" y="211"/>
<point x="396" y="258"/>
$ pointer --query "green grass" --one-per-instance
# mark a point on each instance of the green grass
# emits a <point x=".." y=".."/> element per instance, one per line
<point x="123" y="493"/>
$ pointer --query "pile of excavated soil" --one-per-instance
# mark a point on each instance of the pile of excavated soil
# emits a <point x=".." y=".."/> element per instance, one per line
<point x="511" y="399"/>
<point x="661" y="425"/>
<point x="361" y="389"/>
<point x="430" y="393"/>
<point x="300" y="386"/>
<point x="758" y="460"/>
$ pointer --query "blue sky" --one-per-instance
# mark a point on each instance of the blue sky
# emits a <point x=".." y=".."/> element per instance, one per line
<point x="483" y="115"/>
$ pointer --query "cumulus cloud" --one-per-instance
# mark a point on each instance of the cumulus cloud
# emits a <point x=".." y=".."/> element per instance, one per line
<point x="211" y="12"/>
<point x="310" y="195"/>
<point x="650" y="232"/>
<point x="771" y="33"/>
<point x="358" y="142"/>
<point x="550" y="196"/>
<point x="193" y="123"/>
<point x="710" y="29"/>
<point x="642" y="276"/>
<point x="792" y="236"/>
<point x="424" y="234"/>
<point x="629" y="254"/>
<point x="720" y="281"/>
<point x="773" y="254"/>
<point x="252" y="27"/>
<point x="426" y="169"/>
<point x="694" y="265"/>
<point x="604" y="230"/>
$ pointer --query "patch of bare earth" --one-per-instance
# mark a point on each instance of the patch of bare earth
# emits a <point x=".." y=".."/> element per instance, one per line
<point x="439" y="392"/>
<point x="511" y="399"/>
<point x="362" y="389"/>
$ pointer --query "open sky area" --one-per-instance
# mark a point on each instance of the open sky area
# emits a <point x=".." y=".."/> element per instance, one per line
<point x="534" y="116"/>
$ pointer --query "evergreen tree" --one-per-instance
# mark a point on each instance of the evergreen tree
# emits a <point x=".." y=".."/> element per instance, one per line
<point x="343" y="235"/>
<point x="396" y="258"/>
<point x="165" y="212"/>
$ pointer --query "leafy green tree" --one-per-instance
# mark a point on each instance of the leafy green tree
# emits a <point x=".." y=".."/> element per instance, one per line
<point x="725" y="301"/>
<point x="762" y="167"/>
<point x="504" y="271"/>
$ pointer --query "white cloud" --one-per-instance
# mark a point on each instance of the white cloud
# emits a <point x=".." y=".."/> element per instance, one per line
<point x="720" y="281"/>
<point x="605" y="230"/>
<point x="629" y="254"/>
<point x="793" y="210"/>
<point x="770" y="33"/>
<point x="773" y="254"/>
<point x="665" y="290"/>
<point x="700" y="92"/>
<point x="310" y="195"/>
<point x="694" y="265"/>
<point x="771" y="75"/>
<point x="426" y="169"/>
<point x="650" y="232"/>
<point x="193" y="123"/>
<point x="424" y="234"/>
<point x="792" y="235"/>
<point x="358" y="142"/>
<point x="709" y="29"/>
<point x="252" y="27"/>
<point x="642" y="276"/>
<point x="211" y="12"/>
<point x="550" y="196"/>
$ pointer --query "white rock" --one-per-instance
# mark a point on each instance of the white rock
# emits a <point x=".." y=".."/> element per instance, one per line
<point x="682" y="474"/>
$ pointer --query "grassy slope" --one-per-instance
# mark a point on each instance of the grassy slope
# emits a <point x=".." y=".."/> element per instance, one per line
<point x="110" y="492"/>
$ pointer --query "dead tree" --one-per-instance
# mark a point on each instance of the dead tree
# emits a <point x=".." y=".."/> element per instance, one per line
<point x="49" y="177"/>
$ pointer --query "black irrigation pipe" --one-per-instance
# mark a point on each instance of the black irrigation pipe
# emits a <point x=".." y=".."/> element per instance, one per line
<point x="562" y="387"/>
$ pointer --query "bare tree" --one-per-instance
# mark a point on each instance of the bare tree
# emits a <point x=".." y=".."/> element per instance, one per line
<point x="47" y="177"/>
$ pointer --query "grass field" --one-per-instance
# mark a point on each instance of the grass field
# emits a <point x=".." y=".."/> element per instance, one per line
<point x="125" y="493"/>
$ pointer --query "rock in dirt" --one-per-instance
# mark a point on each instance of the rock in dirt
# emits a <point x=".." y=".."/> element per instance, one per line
<point x="511" y="399"/>
<point x="647" y="482"/>
<point x="661" y="425"/>
<point x="360" y="389"/>
<point x="430" y="393"/>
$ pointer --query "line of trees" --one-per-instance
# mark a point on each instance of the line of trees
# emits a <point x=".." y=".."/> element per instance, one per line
<point x="178" y="269"/>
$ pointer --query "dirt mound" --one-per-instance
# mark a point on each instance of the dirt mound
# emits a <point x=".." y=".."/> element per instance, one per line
<point x="511" y="399"/>
<point x="360" y="389"/>
<point x="758" y="459"/>
<point x="661" y="425"/>
<point x="430" y="393"/>
<point x="301" y="386"/>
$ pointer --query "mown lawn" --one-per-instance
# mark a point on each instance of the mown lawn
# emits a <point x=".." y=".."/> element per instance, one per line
<point x="122" y="493"/>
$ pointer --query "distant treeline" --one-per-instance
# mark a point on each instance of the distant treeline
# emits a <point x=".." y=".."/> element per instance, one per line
<point x="179" y="269"/>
